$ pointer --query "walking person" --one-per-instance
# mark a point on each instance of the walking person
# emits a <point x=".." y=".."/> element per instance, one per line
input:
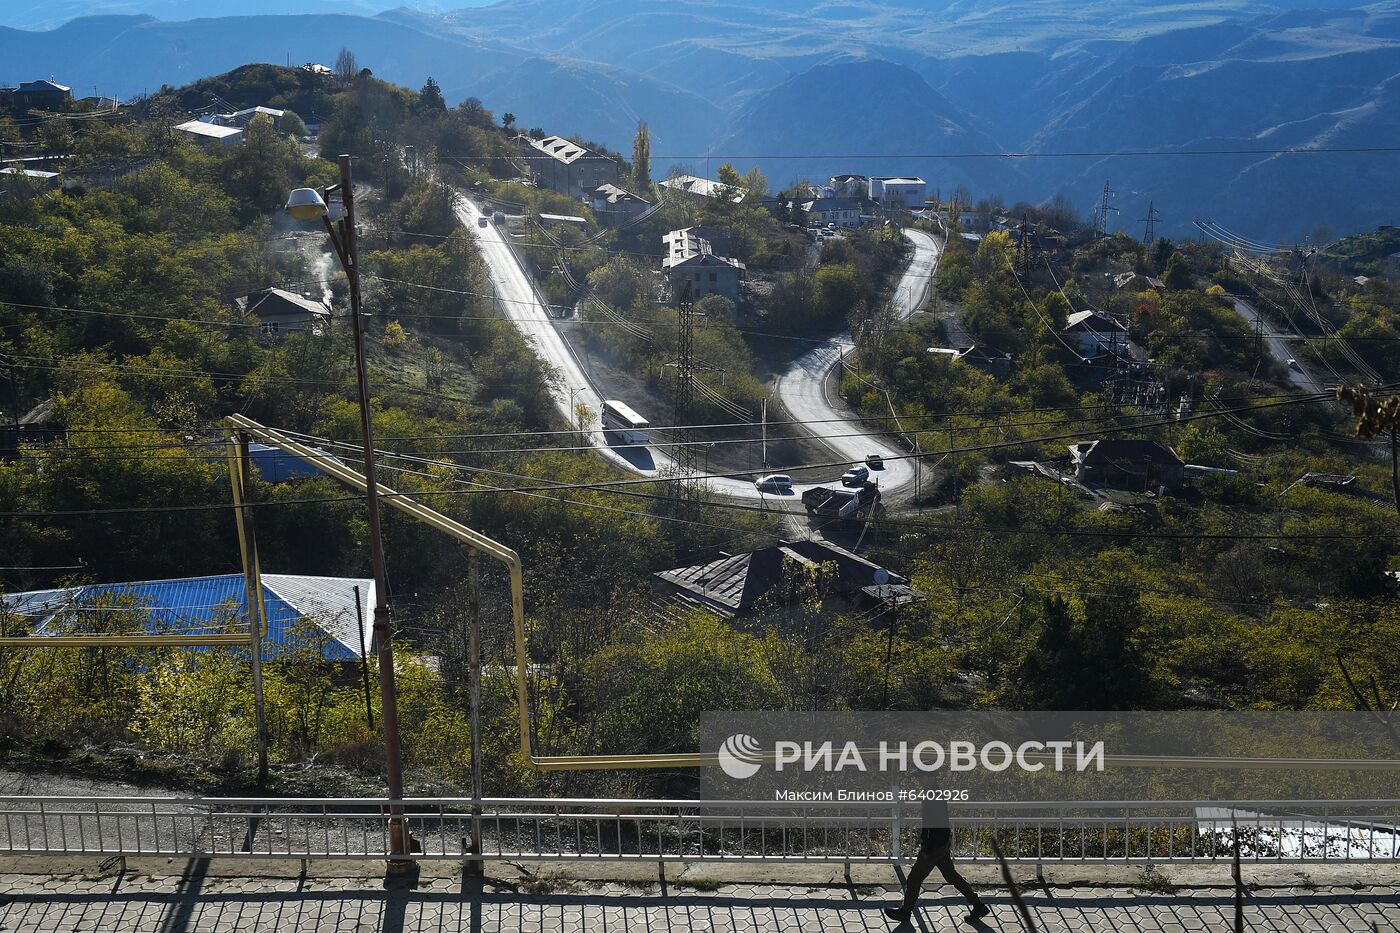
<point x="936" y="851"/>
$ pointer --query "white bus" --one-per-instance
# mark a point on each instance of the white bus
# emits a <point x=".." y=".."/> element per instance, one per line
<point x="630" y="427"/>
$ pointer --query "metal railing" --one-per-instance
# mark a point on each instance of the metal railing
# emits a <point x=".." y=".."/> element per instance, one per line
<point x="681" y="830"/>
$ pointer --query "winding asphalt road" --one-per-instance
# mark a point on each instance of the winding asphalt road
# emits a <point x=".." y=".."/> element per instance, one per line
<point x="804" y="389"/>
<point x="1277" y="343"/>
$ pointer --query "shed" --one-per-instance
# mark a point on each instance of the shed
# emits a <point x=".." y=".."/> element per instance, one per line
<point x="204" y="605"/>
<point x="279" y="310"/>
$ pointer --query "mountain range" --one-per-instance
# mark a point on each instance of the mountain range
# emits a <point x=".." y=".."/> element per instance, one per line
<point x="1205" y="93"/>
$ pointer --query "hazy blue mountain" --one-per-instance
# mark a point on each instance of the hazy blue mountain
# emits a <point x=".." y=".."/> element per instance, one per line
<point x="865" y="116"/>
<point x="126" y="56"/>
<point x="920" y="78"/>
<point x="26" y="14"/>
<point x="600" y="103"/>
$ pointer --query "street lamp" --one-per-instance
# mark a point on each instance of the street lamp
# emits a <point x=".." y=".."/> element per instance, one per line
<point x="308" y="204"/>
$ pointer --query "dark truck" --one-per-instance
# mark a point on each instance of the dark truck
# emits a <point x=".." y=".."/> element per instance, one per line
<point x="840" y="503"/>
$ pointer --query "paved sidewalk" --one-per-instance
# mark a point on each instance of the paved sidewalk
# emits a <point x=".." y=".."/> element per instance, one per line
<point x="198" y="901"/>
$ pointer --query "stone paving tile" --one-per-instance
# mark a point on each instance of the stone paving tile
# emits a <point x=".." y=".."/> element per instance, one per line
<point x="144" y="904"/>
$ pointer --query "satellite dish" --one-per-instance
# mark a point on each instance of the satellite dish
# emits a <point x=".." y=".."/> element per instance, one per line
<point x="882" y="576"/>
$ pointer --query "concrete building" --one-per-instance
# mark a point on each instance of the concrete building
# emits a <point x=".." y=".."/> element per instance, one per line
<point x="41" y="95"/>
<point x="282" y="312"/>
<point x="211" y="134"/>
<point x="691" y="262"/>
<point x="1127" y="463"/>
<point x="822" y="211"/>
<point x="899" y="191"/>
<point x="564" y="166"/>
<point x="849" y="186"/>
<point x="1095" y="333"/>
<point x="613" y="205"/>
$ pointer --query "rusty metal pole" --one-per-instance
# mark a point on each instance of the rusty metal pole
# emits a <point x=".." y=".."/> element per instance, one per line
<point x="399" y="841"/>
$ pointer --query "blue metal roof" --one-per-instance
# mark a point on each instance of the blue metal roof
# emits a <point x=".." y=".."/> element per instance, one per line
<point x="275" y="465"/>
<point x="199" y="605"/>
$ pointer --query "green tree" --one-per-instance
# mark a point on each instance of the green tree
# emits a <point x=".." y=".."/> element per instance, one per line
<point x="430" y="97"/>
<point x="1092" y="661"/>
<point x="1178" y="274"/>
<point x="292" y="124"/>
<point x="641" y="160"/>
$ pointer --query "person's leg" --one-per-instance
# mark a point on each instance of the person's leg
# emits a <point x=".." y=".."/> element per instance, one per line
<point x="943" y="858"/>
<point x="920" y="870"/>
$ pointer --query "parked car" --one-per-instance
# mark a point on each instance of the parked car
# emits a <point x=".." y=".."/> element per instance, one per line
<point x="875" y="461"/>
<point x="482" y="221"/>
<point x="499" y="218"/>
<point x="774" y="482"/>
<point x="855" y="476"/>
<point x="1293" y="365"/>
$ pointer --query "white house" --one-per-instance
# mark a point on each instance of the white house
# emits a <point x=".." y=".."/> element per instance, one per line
<point x="211" y="134"/>
<point x="899" y="191"/>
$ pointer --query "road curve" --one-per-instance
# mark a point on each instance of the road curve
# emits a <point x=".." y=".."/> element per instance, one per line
<point x="1297" y="374"/>
<point x="803" y="388"/>
<point x="807" y="388"/>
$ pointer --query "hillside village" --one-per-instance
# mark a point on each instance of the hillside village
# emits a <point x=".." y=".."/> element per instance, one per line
<point x="1044" y="449"/>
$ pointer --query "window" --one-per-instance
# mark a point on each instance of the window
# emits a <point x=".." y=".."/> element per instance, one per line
<point x="271" y="327"/>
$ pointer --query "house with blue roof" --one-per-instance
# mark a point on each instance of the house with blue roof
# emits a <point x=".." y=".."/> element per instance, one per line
<point x="200" y="605"/>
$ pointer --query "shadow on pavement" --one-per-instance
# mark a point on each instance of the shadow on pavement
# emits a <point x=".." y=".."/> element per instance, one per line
<point x="638" y="457"/>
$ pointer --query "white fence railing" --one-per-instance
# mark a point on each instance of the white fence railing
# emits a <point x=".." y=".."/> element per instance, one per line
<point x="680" y="830"/>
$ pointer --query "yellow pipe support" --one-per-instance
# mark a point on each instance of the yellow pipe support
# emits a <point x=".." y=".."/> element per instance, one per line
<point x="124" y="641"/>
<point x="435" y="519"/>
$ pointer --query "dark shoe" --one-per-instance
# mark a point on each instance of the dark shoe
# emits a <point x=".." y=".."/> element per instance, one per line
<point x="897" y="914"/>
<point x="978" y="912"/>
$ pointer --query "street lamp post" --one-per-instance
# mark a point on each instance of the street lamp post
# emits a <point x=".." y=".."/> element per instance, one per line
<point x="308" y="204"/>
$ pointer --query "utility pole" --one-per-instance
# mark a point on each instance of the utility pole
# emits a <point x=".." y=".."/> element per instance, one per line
<point x="765" y="435"/>
<point x="687" y="490"/>
<point x="1023" y="249"/>
<point x="1149" y="233"/>
<point x="1102" y="212"/>
<point x="347" y="245"/>
<point x="685" y="371"/>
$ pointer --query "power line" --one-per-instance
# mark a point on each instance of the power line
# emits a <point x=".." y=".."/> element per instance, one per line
<point x="1072" y="154"/>
<point x="189" y="444"/>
